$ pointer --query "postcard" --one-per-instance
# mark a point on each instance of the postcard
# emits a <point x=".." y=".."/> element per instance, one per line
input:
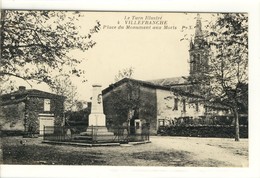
<point x="153" y="91"/>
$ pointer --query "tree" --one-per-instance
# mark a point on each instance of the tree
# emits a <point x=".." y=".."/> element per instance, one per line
<point x="7" y="85"/>
<point x="125" y="102"/>
<point x="124" y="73"/>
<point x="36" y="44"/>
<point x="225" y="78"/>
<point x="62" y="85"/>
<point x="128" y="101"/>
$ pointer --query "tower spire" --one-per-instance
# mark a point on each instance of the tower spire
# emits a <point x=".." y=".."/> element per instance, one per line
<point x="198" y="50"/>
<point x="198" y="31"/>
<point x="191" y="43"/>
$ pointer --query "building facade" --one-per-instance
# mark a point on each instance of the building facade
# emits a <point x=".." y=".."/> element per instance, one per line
<point x="29" y="110"/>
<point x="136" y="102"/>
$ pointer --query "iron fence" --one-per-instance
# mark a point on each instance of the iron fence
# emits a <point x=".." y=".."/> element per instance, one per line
<point x="75" y="134"/>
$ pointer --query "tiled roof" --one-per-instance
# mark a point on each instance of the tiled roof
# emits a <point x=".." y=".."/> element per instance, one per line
<point x="150" y="85"/>
<point x="21" y="95"/>
<point x="143" y="83"/>
<point x="170" y="81"/>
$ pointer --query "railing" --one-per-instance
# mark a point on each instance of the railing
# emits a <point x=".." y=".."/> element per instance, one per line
<point x="55" y="133"/>
<point x="74" y="134"/>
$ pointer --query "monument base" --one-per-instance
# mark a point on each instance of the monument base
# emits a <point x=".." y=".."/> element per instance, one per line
<point x="97" y="134"/>
<point x="97" y="120"/>
<point x="96" y="130"/>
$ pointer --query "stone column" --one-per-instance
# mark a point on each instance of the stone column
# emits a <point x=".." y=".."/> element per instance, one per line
<point x="97" y="117"/>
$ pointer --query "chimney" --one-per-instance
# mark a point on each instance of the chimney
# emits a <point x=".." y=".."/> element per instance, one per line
<point x="89" y="104"/>
<point x="22" y="88"/>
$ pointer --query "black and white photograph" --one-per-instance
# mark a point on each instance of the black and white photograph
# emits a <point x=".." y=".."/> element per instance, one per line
<point x="116" y="88"/>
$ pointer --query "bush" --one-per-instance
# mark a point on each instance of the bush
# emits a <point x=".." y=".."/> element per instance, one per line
<point x="204" y="131"/>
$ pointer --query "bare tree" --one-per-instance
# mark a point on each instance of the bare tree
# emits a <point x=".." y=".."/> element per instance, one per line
<point x="124" y="73"/>
<point x="62" y="85"/>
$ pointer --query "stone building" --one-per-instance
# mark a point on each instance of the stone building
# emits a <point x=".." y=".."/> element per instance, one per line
<point x="137" y="102"/>
<point x="29" y="110"/>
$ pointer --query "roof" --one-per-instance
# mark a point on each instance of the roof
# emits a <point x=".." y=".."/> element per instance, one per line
<point x="143" y="83"/>
<point x="19" y="96"/>
<point x="173" y="81"/>
<point x="180" y="92"/>
<point x="149" y="85"/>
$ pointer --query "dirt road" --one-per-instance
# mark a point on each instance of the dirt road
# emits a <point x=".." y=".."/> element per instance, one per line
<point x="163" y="151"/>
<point x="227" y="151"/>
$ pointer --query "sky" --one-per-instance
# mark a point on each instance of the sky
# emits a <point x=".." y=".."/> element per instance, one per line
<point x="155" y="52"/>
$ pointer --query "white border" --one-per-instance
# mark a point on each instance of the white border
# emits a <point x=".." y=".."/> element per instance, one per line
<point x="136" y="5"/>
<point x="252" y="7"/>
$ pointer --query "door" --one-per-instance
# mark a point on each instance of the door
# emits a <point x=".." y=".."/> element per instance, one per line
<point x="138" y="126"/>
<point x="48" y="123"/>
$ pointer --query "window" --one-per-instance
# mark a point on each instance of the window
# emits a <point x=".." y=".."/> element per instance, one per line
<point x="137" y="126"/>
<point x="175" y="107"/>
<point x="191" y="63"/>
<point x="195" y="63"/>
<point x="199" y="62"/>
<point x="199" y="59"/>
<point x="161" y="122"/>
<point x="197" y="106"/>
<point x="47" y="105"/>
<point x="184" y="105"/>
<point x="206" y="109"/>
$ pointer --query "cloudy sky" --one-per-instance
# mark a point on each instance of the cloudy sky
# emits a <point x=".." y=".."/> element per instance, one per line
<point x="154" y="52"/>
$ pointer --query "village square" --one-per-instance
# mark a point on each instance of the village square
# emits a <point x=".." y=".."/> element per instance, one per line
<point x="196" y="115"/>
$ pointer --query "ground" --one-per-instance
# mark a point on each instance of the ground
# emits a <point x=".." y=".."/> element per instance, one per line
<point x="163" y="151"/>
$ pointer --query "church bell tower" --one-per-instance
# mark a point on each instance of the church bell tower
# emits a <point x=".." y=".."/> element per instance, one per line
<point x="198" y="50"/>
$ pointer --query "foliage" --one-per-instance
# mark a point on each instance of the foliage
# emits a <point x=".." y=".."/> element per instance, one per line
<point x="34" y="44"/>
<point x="228" y="70"/>
<point x="126" y="102"/>
<point x="218" y="131"/>
<point x="77" y="118"/>
<point x="10" y="119"/>
<point x="7" y="85"/>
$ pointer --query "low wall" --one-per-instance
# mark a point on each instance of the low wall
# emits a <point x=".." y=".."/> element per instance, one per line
<point x="4" y="133"/>
<point x="204" y="131"/>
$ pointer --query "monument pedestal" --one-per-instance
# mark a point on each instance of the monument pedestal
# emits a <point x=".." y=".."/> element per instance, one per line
<point x="97" y="125"/>
<point x="97" y="120"/>
<point x="97" y="131"/>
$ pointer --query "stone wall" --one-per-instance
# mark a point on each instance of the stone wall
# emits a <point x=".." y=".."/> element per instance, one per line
<point x="148" y="107"/>
<point x="166" y="110"/>
<point x="35" y="106"/>
<point x="114" y="108"/>
<point x="12" y="117"/>
<point x="117" y="104"/>
<point x="23" y="116"/>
